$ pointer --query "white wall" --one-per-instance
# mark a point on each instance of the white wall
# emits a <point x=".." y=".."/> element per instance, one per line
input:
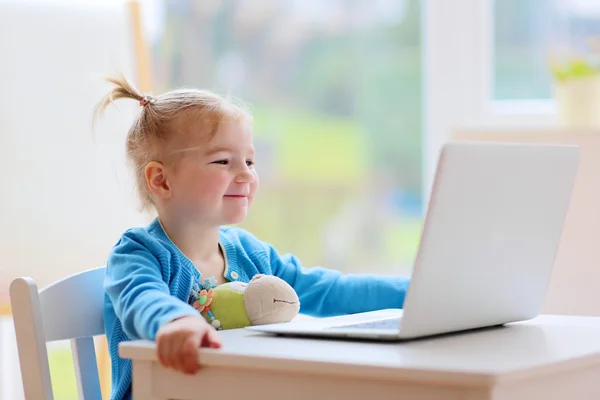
<point x="65" y="196"/>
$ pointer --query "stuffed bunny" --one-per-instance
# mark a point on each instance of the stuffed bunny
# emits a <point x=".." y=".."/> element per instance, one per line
<point x="266" y="299"/>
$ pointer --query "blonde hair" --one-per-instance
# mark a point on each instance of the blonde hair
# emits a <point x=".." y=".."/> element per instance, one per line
<point x="160" y="119"/>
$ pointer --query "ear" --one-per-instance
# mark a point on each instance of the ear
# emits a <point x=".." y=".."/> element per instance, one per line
<point x="156" y="180"/>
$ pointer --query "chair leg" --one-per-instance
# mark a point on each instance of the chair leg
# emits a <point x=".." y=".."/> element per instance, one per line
<point x="86" y="371"/>
<point x="33" y="354"/>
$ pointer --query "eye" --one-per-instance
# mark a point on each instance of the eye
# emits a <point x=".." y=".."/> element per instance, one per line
<point x="222" y="162"/>
<point x="249" y="163"/>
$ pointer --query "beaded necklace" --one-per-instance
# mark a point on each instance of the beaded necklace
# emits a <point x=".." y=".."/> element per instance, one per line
<point x="204" y="300"/>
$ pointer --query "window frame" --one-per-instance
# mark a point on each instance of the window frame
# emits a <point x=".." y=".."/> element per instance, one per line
<point x="458" y="60"/>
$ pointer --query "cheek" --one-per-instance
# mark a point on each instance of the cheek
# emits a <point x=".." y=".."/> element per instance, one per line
<point x="199" y="183"/>
<point x="213" y="185"/>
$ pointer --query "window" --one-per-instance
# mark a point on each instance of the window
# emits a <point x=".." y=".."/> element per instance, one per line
<point x="529" y="35"/>
<point x="336" y="94"/>
<point x="487" y="64"/>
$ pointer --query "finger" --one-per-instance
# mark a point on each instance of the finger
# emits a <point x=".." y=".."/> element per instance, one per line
<point x="211" y="339"/>
<point x="162" y="350"/>
<point x="176" y="353"/>
<point x="172" y="351"/>
<point x="191" y="365"/>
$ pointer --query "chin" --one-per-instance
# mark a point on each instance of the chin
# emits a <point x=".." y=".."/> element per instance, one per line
<point x="235" y="219"/>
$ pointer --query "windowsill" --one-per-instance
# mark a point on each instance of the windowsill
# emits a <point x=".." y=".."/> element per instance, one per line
<point x="550" y="130"/>
<point x="523" y="107"/>
<point x="530" y="117"/>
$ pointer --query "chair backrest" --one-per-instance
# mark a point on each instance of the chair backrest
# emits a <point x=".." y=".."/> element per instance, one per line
<point x="69" y="309"/>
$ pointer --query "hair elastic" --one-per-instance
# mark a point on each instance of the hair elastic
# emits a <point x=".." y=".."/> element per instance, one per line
<point x="148" y="98"/>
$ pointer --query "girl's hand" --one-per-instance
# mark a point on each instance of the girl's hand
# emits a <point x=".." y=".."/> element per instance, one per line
<point x="178" y="341"/>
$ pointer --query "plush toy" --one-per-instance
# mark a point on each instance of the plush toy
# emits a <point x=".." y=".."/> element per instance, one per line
<point x="266" y="299"/>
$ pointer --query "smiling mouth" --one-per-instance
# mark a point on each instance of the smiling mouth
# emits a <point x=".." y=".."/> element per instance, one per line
<point x="237" y="196"/>
<point x="284" y="301"/>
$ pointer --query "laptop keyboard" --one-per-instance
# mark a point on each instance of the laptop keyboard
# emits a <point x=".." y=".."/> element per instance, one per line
<point x="393" y="323"/>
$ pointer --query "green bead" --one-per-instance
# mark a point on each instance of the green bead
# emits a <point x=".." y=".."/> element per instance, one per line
<point x="202" y="300"/>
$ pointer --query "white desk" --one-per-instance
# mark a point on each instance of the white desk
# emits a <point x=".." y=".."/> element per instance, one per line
<point x="550" y="357"/>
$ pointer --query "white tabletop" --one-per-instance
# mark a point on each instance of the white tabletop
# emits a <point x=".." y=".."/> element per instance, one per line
<point x="545" y="344"/>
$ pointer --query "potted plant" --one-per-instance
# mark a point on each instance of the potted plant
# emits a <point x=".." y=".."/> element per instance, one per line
<point x="577" y="92"/>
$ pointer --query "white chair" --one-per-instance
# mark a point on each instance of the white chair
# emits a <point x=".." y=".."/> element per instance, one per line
<point x="69" y="309"/>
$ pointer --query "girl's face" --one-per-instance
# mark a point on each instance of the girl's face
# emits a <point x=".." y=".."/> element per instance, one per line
<point x="215" y="181"/>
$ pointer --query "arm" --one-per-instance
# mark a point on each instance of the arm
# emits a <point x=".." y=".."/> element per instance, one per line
<point x="139" y="295"/>
<point x="324" y="292"/>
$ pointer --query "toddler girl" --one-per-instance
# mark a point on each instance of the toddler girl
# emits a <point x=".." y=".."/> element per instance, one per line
<point x="193" y="158"/>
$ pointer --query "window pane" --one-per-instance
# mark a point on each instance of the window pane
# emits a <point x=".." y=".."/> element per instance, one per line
<point x="530" y="33"/>
<point x="335" y="88"/>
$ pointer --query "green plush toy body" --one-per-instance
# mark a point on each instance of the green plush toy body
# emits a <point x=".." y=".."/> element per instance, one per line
<point x="265" y="300"/>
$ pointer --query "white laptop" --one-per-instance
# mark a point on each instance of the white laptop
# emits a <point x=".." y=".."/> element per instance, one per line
<point x="487" y="251"/>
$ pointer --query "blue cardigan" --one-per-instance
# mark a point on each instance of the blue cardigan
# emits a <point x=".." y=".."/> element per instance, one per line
<point x="148" y="282"/>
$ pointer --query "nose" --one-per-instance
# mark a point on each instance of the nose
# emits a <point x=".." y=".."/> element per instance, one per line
<point x="245" y="175"/>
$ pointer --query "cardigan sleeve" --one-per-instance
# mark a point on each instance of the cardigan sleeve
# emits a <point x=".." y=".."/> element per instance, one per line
<point x="325" y="292"/>
<point x="138" y="293"/>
